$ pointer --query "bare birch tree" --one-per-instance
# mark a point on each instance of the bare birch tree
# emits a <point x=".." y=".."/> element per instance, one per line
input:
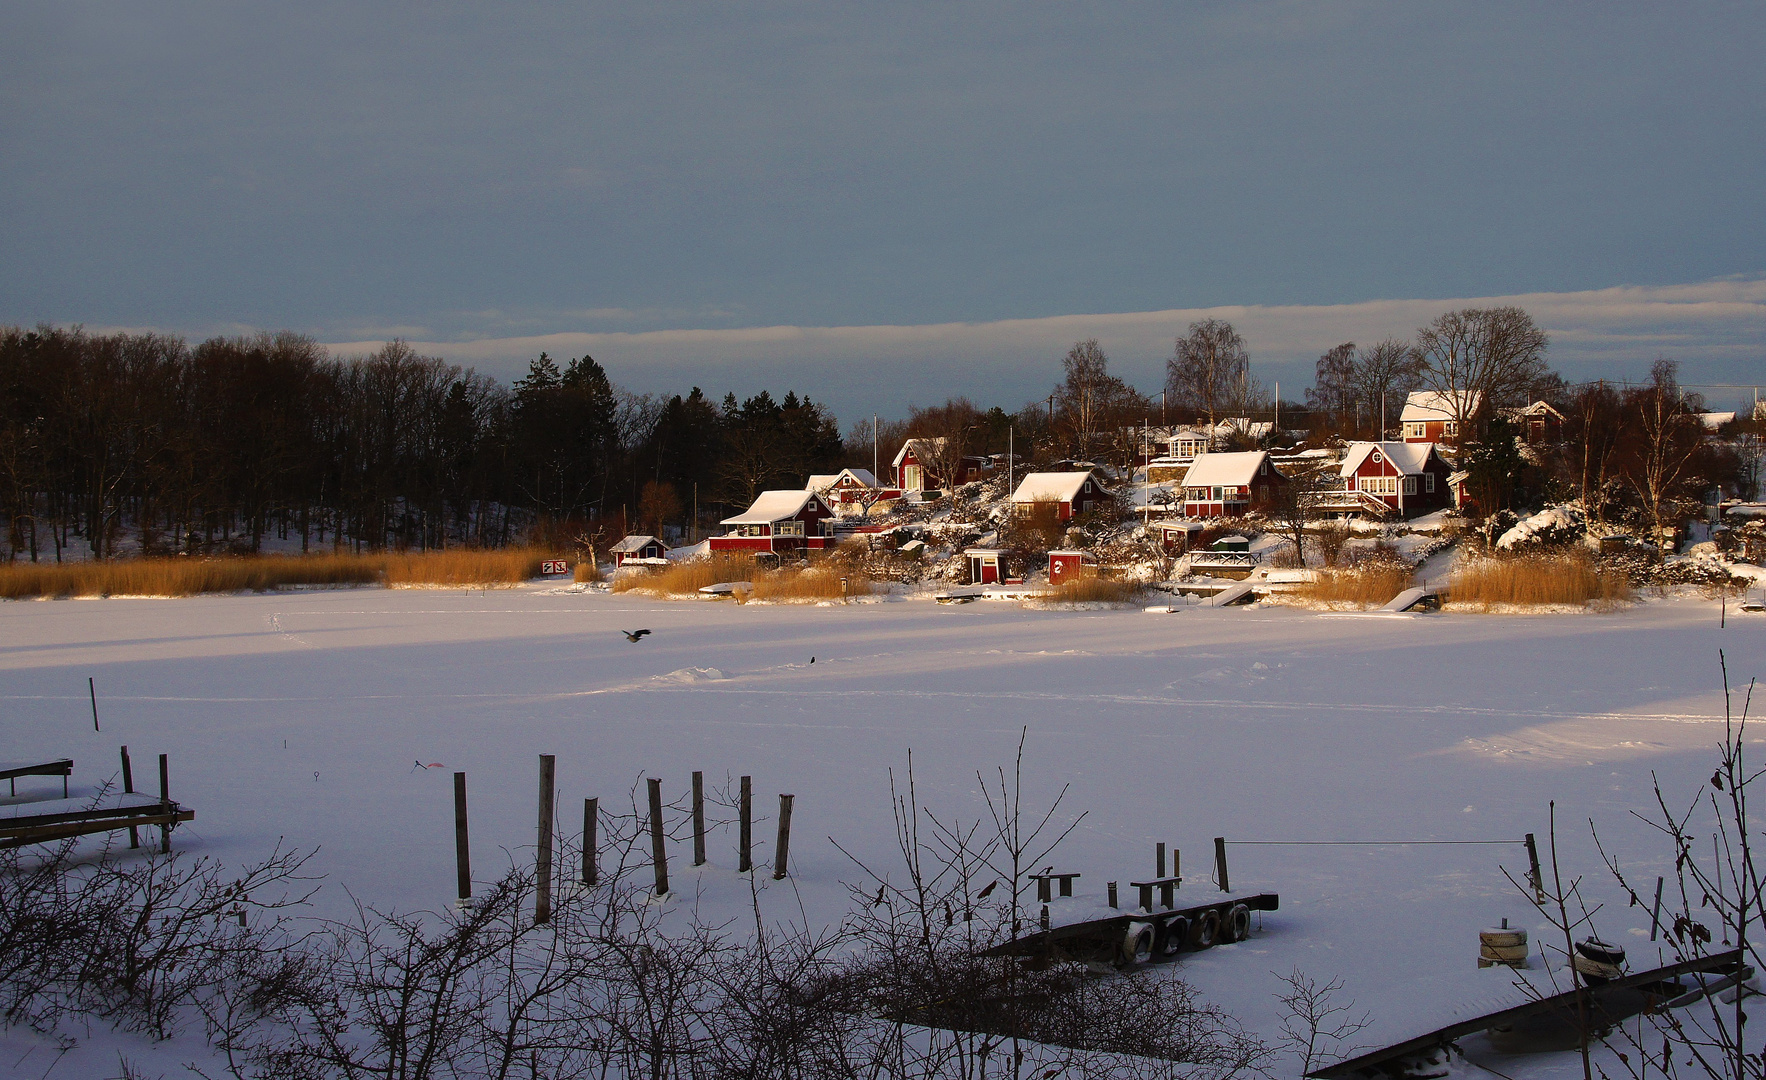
<point x="1479" y="357"/>
<point x="1207" y="367"/>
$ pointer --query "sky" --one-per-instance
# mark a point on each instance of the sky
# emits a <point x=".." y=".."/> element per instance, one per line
<point x="883" y="205"/>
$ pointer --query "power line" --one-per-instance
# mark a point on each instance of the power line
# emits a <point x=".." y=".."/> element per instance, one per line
<point x="1363" y="843"/>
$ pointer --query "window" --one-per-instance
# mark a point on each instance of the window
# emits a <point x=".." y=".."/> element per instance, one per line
<point x="1410" y="485"/>
<point x="1380" y="485"/>
<point x="788" y="528"/>
<point x="1416" y="431"/>
<point x="1262" y="492"/>
<point x="1429" y="482"/>
<point x="1219" y="494"/>
<point x="1450" y="428"/>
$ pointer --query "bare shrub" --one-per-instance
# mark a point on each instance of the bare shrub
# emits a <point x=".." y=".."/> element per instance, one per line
<point x="1329" y="539"/>
<point x="1566" y="576"/>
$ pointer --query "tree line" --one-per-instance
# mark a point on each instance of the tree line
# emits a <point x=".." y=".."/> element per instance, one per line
<point x="219" y="445"/>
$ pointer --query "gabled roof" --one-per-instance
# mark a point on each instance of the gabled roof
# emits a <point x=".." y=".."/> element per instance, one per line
<point x="1408" y="458"/>
<point x="1225" y="470"/>
<point x="1051" y="487"/>
<point x="823" y="481"/>
<point x="863" y="476"/>
<point x="1425" y="405"/>
<point x="635" y="543"/>
<point x="922" y="448"/>
<point x="774" y="506"/>
<point x="820" y="482"/>
<point x="1538" y="408"/>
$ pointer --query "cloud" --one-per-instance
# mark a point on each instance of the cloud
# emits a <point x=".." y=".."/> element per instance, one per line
<point x="1716" y="328"/>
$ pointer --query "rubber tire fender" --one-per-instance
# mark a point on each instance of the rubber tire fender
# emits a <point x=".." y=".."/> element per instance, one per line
<point x="1137" y="944"/>
<point x="1237" y="924"/>
<point x="1601" y="952"/>
<point x="1173" y="933"/>
<point x="1205" y="929"/>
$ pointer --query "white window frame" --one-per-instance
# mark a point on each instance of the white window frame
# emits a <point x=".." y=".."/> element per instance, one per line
<point x="1410" y="485"/>
<point x="1429" y="483"/>
<point x="788" y="528"/>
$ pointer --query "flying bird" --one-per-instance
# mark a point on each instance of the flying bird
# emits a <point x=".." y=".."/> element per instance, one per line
<point x="982" y="895"/>
<point x="634" y="635"/>
<point x="880" y="894"/>
<point x="812" y="659"/>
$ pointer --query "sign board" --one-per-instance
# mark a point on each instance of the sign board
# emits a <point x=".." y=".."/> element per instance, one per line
<point x="554" y="566"/>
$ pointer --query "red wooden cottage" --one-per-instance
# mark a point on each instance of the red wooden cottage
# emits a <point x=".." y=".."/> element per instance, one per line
<point x="1177" y="537"/>
<point x="1231" y="485"/>
<point x="1431" y="417"/>
<point x="644" y="550"/>
<point x="1073" y="493"/>
<point x="780" y="522"/>
<point x="917" y="467"/>
<point x="1538" y="423"/>
<point x="985" y="567"/>
<point x="1070" y="565"/>
<point x="1411" y="478"/>
<point x="847" y="485"/>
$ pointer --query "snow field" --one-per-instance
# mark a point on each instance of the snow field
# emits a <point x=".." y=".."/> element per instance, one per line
<point x="1255" y="724"/>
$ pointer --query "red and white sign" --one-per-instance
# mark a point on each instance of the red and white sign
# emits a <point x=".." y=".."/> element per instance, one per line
<point x="554" y="566"/>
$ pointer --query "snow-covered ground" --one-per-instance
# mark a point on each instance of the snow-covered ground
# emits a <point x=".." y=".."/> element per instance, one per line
<point x="304" y="716"/>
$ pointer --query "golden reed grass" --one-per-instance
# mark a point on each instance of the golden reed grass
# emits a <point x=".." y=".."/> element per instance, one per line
<point x="686" y="577"/>
<point x="1562" y="577"/>
<point x="188" y="577"/>
<point x="1094" y="590"/>
<point x="1366" y="586"/>
<point x="811" y="583"/>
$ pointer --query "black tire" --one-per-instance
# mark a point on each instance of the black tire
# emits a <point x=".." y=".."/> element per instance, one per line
<point x="1601" y="952"/>
<point x="1237" y="925"/>
<point x="1173" y="933"/>
<point x="1137" y="944"/>
<point x="1205" y="930"/>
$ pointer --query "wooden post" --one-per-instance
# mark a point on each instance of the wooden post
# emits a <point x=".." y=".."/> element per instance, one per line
<point x="1533" y="869"/>
<point x="699" y="819"/>
<point x="782" y="850"/>
<point x="165" y="796"/>
<point x="129" y="789"/>
<point x="1159" y="861"/>
<point x="658" y="853"/>
<point x="591" y="842"/>
<point x="1220" y="863"/>
<point x="745" y="831"/>
<point x="1112" y="890"/>
<point x="462" y="854"/>
<point x="92" y="688"/>
<point x="542" y="900"/>
<point x="1655" y="914"/>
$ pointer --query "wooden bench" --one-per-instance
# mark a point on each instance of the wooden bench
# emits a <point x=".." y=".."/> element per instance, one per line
<point x="10" y="771"/>
<point x="1167" y="892"/>
<point x="1042" y="884"/>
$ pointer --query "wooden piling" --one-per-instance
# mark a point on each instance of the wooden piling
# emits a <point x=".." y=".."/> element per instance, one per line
<point x="782" y="850"/>
<point x="165" y="796"/>
<point x="1159" y="861"/>
<point x="542" y="900"/>
<point x="1533" y="869"/>
<point x="591" y="841"/>
<point x="1111" y="887"/>
<point x="745" y="829"/>
<point x="129" y="789"/>
<point x="1220" y="863"/>
<point x="698" y="818"/>
<point x="92" y="688"/>
<point x="658" y="852"/>
<point x="462" y="853"/>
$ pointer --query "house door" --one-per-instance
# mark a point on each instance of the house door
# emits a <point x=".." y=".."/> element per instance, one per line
<point x="912" y="478"/>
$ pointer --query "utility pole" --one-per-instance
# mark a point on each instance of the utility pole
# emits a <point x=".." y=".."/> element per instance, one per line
<point x="875" y="462"/>
<point x="1011" y="461"/>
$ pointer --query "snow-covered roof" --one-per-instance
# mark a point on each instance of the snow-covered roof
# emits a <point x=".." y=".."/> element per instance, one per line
<point x="822" y="481"/>
<point x="1244" y="425"/>
<point x="635" y="543"/>
<point x="863" y="476"/>
<point x="1715" y="420"/>
<point x="1408" y="458"/>
<point x="773" y="506"/>
<point x="1225" y="470"/>
<point x="1050" y="487"/>
<point x="922" y="448"/>
<point x="1424" y="405"/>
<point x="1187" y="433"/>
<point x="1176" y="523"/>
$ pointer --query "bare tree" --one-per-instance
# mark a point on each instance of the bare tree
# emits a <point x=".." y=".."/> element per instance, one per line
<point x="1333" y="382"/>
<point x="1294" y="506"/>
<point x="1389" y="370"/>
<point x="1477" y="358"/>
<point x="1206" y="367"/>
<point x="1599" y="429"/>
<point x="1669" y="436"/>
<point x="1089" y="396"/>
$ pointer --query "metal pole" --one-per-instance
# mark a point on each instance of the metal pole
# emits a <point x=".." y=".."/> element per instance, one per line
<point x="92" y="688"/>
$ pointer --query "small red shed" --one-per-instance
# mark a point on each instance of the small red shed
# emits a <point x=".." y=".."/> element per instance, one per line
<point x="984" y="565"/>
<point x="1070" y="565"/>
<point x="643" y="549"/>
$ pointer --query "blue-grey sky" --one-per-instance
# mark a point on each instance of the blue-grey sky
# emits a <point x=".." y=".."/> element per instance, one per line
<point x="468" y="175"/>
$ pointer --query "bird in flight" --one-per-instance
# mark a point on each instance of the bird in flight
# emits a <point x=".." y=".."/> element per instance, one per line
<point x="982" y="895"/>
<point x="634" y="635"/>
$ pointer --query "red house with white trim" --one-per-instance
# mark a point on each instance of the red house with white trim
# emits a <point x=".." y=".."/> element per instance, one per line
<point x="646" y="550"/>
<point x="1411" y="478"/>
<point x="847" y="485"/>
<point x="1074" y="493"/>
<point x="1231" y="485"/>
<point x="779" y="522"/>
<point x="1431" y="417"/>
<point x="917" y="468"/>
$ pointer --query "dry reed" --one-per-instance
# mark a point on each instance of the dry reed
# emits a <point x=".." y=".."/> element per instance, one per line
<point x="686" y="577"/>
<point x="188" y="577"/>
<point x="1370" y="585"/>
<point x="1548" y="578"/>
<point x="810" y="583"/>
<point x="1095" y="590"/>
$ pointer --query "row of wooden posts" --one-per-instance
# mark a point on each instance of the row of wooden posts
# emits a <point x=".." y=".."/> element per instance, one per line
<point x="165" y="796"/>
<point x="591" y="822"/>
